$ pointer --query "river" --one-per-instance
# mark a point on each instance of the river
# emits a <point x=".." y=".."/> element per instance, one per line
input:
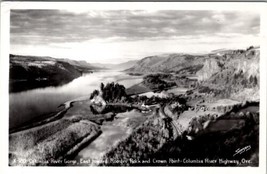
<point x="29" y="105"/>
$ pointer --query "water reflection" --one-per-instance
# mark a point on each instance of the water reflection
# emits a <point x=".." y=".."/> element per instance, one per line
<point x="27" y="105"/>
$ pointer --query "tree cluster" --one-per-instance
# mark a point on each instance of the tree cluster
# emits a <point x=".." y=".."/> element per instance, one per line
<point x="113" y="92"/>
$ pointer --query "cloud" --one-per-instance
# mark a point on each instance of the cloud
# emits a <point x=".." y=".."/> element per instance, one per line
<point x="54" y="26"/>
<point x="114" y="36"/>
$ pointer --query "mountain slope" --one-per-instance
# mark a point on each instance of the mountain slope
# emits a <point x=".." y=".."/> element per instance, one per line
<point x="29" y="72"/>
<point x="81" y="65"/>
<point x="168" y="63"/>
<point x="223" y="73"/>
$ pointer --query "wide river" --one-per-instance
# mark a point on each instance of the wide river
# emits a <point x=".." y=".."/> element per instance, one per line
<point x="28" y="105"/>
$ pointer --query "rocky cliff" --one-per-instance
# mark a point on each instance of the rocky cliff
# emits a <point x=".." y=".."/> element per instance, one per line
<point x="235" y="74"/>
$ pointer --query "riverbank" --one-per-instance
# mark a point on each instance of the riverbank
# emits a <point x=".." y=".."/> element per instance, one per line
<point x="62" y="109"/>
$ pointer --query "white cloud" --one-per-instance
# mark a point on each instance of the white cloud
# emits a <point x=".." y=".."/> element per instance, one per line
<point x="108" y="51"/>
<point x="110" y="36"/>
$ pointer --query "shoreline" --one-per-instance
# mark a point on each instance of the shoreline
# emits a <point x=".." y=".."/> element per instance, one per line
<point x="67" y="105"/>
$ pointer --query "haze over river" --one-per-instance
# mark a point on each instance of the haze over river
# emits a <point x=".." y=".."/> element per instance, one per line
<point x="28" y="105"/>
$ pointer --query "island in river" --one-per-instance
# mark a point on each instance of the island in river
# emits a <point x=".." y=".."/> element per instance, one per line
<point x="181" y="118"/>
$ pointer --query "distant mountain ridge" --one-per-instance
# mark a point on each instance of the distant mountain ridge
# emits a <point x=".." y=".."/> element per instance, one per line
<point x="120" y="66"/>
<point x="81" y="63"/>
<point x="77" y="63"/>
<point x="29" y="72"/>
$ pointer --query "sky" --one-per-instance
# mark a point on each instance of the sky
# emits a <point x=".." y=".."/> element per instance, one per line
<point x="102" y="36"/>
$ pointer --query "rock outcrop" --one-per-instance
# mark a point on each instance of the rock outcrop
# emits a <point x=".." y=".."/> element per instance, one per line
<point x="210" y="67"/>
